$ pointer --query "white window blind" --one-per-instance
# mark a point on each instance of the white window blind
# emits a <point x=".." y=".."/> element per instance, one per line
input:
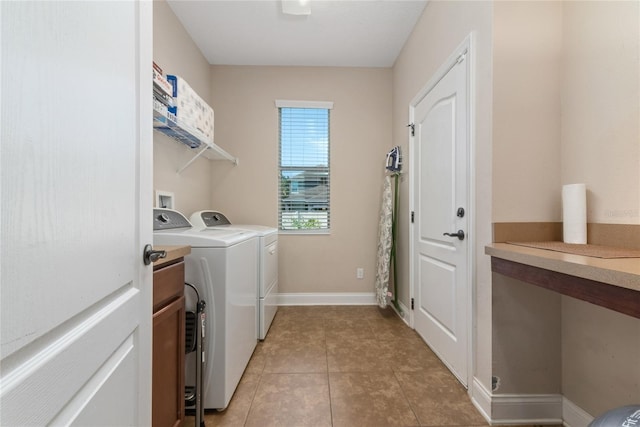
<point x="304" y="202"/>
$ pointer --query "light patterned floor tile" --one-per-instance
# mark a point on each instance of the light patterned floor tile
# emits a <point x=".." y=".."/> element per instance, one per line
<point x="368" y="399"/>
<point x="291" y="400"/>
<point x="438" y="399"/>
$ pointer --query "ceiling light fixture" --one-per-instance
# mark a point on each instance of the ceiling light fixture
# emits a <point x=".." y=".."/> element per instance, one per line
<point x="296" y="7"/>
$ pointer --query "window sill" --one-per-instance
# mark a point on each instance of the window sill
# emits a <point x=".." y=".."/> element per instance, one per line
<point x="305" y="232"/>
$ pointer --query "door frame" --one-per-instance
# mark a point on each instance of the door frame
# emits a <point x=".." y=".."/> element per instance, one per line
<point x="145" y="211"/>
<point x="467" y="48"/>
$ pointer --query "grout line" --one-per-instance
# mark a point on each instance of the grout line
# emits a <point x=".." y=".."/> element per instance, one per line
<point x="246" y="416"/>
<point x="326" y="354"/>
<point x="405" y="397"/>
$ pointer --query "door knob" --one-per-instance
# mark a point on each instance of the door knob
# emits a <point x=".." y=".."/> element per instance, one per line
<point x="149" y="255"/>
<point x="459" y="234"/>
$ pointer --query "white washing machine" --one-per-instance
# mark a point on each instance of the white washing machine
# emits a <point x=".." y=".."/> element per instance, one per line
<point x="268" y="262"/>
<point x="223" y="267"/>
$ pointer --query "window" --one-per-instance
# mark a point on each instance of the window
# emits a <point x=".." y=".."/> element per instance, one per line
<point x="304" y="166"/>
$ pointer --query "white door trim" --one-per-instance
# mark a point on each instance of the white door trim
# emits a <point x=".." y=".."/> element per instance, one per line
<point x="467" y="49"/>
<point x="145" y="174"/>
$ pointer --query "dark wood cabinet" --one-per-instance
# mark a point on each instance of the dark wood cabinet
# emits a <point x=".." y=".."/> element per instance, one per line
<point x="168" y="344"/>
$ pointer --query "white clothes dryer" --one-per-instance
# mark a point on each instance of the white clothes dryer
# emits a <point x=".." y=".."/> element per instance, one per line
<point x="268" y="262"/>
<point x="223" y="267"/>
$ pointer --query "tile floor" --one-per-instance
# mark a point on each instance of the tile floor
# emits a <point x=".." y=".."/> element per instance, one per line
<point x="344" y="366"/>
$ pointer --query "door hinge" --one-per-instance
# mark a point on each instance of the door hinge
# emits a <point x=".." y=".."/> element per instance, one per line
<point x="413" y="128"/>
<point x="412" y="217"/>
<point x="411" y="303"/>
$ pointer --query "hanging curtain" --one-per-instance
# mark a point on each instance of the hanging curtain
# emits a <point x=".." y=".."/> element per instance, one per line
<point x="385" y="242"/>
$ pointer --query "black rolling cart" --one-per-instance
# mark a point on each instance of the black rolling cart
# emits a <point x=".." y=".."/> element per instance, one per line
<point x="194" y="343"/>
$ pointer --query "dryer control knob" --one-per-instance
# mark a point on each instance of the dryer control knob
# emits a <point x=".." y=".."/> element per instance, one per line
<point x="163" y="217"/>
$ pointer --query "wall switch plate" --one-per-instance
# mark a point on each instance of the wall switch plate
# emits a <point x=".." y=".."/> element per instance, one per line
<point x="359" y="273"/>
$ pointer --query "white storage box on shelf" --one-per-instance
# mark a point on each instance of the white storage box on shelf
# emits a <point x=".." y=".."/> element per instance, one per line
<point x="190" y="110"/>
<point x="183" y="122"/>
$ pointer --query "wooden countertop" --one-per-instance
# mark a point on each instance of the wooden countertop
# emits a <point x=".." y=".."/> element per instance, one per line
<point x="173" y="253"/>
<point x="622" y="272"/>
<point x="610" y="283"/>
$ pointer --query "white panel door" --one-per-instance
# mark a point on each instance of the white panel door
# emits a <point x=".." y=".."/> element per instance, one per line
<point x="76" y="213"/>
<point x="441" y="170"/>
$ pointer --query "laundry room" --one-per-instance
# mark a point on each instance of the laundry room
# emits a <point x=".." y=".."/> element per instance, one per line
<point x="321" y="268"/>
<point x="455" y="244"/>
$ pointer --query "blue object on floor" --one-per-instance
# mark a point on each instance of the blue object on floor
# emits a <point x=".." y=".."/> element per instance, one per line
<point x="625" y="416"/>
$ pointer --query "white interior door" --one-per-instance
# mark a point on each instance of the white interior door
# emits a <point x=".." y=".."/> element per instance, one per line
<point x="76" y="212"/>
<point x="441" y="205"/>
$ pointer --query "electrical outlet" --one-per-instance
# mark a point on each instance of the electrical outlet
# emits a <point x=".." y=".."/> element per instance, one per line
<point x="359" y="273"/>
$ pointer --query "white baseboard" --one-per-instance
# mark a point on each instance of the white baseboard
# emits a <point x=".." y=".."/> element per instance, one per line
<point x="513" y="409"/>
<point x="353" y="298"/>
<point x="573" y="415"/>
<point x="526" y="409"/>
<point x="481" y="398"/>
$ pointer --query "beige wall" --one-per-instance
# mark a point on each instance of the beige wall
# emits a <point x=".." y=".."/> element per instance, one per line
<point x="565" y="116"/>
<point x="601" y="107"/>
<point x="176" y="53"/>
<point x="600" y="355"/>
<point x="527" y="56"/>
<point x="601" y="147"/>
<point x="247" y="123"/>
<point x="566" y="109"/>
<point x="526" y="338"/>
<point x="443" y="26"/>
<point x="527" y="74"/>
